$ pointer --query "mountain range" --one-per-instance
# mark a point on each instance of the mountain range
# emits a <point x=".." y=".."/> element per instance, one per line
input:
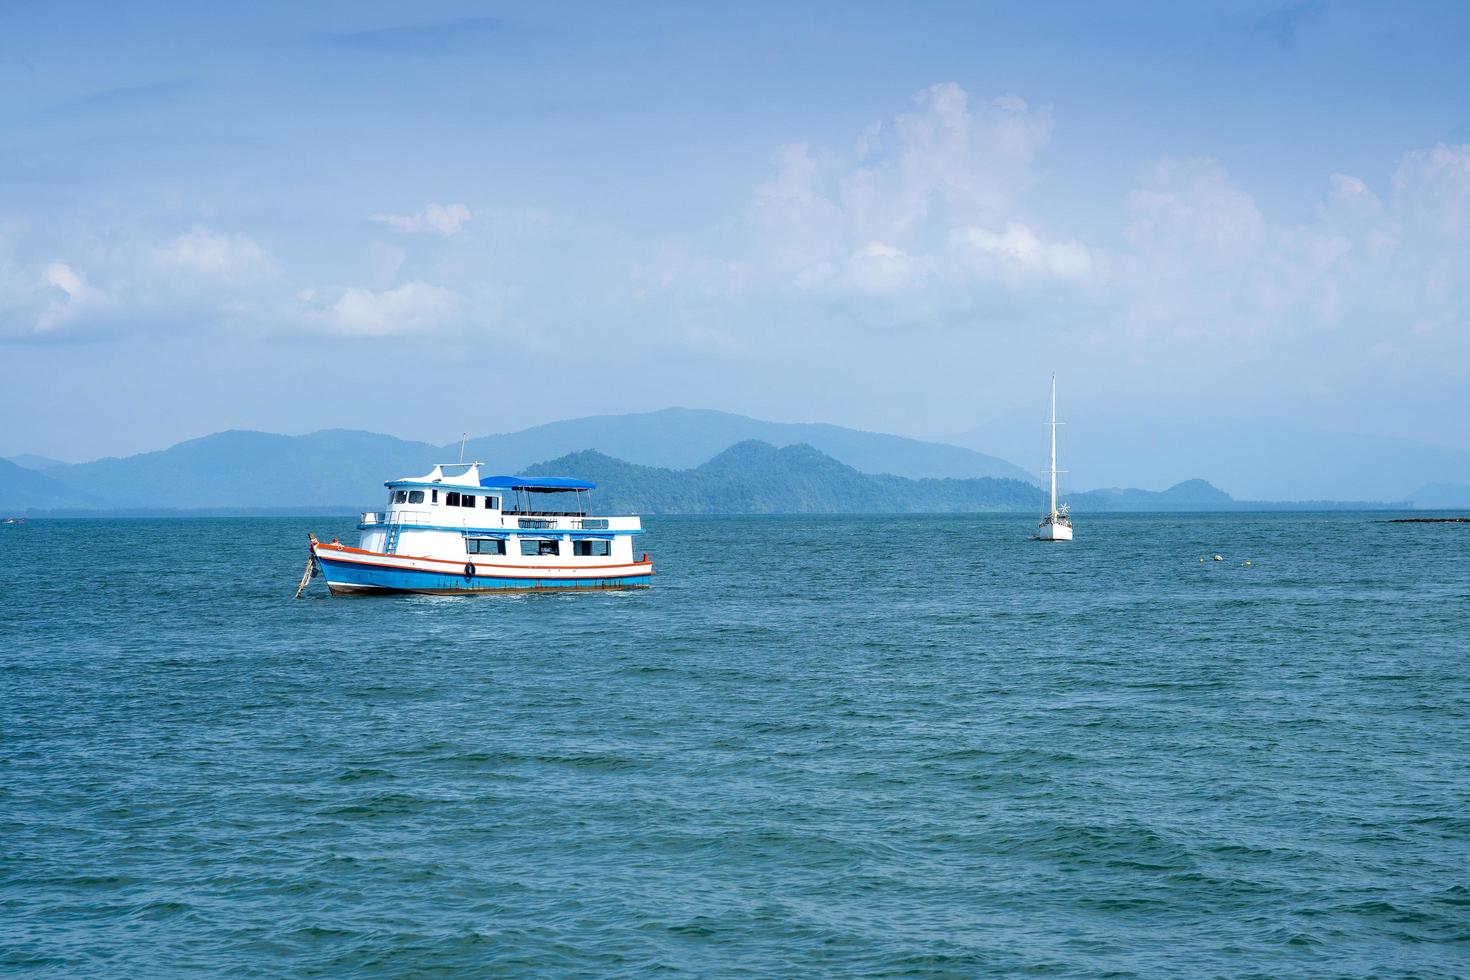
<point x="672" y="461"/>
<point x="681" y="438"/>
<point x="757" y="478"/>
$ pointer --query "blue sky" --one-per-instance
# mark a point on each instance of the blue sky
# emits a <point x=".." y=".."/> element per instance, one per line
<point x="901" y="217"/>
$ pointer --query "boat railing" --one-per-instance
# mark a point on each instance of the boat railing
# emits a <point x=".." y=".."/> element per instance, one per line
<point x="530" y="520"/>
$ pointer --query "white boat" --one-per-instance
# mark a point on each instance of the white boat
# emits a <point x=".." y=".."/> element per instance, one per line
<point x="1056" y="525"/>
<point x="458" y="530"/>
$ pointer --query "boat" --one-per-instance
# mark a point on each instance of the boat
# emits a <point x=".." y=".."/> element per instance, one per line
<point x="12" y="521"/>
<point x="1056" y="525"/>
<point x="457" y="530"/>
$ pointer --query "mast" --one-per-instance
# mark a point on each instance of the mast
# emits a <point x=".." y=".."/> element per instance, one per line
<point x="1053" y="445"/>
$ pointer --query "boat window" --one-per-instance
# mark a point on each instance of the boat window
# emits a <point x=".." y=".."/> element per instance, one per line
<point x="451" y="500"/>
<point x="415" y="496"/>
<point x="486" y="546"/>
<point x="535" y="548"/>
<point x="436" y="496"/>
<point x="492" y="503"/>
<point x="467" y="500"/>
<point x="400" y="496"/>
<point x="598" y="548"/>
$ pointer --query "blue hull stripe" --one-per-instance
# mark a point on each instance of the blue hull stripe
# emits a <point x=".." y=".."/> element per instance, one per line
<point x="355" y="577"/>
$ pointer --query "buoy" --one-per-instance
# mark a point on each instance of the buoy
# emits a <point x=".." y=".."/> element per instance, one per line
<point x="1218" y="558"/>
<point x="1247" y="564"/>
<point x="469" y="570"/>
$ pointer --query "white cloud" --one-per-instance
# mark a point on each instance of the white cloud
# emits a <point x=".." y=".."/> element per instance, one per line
<point x="211" y="255"/>
<point x="879" y="268"/>
<point x="1351" y="196"/>
<point x="1190" y="207"/>
<point x="77" y="296"/>
<point x="438" y="219"/>
<point x="1204" y="259"/>
<point x="1016" y="251"/>
<point x="874" y="219"/>
<point x="410" y="307"/>
<point x="801" y="228"/>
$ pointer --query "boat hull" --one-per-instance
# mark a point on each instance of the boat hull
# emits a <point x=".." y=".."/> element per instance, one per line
<point x="355" y="572"/>
<point x="1054" y="532"/>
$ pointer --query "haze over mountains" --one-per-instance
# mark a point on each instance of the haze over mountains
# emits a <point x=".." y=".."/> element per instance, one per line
<point x="1259" y="459"/>
<point x="686" y="437"/>
<point x="691" y="461"/>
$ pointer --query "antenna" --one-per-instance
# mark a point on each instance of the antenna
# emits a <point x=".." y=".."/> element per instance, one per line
<point x="462" y="437"/>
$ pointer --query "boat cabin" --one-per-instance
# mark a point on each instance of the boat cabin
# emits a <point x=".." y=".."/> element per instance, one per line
<point x="456" y="512"/>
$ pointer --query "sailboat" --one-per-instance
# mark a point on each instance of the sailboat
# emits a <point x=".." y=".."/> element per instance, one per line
<point x="1056" y="525"/>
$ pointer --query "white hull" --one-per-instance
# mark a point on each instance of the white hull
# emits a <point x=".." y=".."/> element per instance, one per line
<point x="1054" y="532"/>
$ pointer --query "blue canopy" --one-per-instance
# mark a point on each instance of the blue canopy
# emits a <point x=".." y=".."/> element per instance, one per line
<point x="536" y="484"/>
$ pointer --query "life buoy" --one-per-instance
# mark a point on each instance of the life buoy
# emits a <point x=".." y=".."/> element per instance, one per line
<point x="469" y="569"/>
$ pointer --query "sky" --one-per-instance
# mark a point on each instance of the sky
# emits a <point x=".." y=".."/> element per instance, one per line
<point x="435" y="218"/>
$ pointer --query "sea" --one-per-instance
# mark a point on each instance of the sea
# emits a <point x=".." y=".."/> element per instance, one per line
<point x="920" y="746"/>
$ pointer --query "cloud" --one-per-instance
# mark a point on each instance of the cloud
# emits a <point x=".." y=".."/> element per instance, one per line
<point x="410" y="307"/>
<point x="77" y="296"/>
<point x="1204" y="258"/>
<point x="880" y="268"/>
<point x="912" y="202"/>
<point x="1191" y="207"/>
<point x="800" y="227"/>
<point x="385" y="261"/>
<point x="211" y="255"/>
<point x="973" y="163"/>
<point x="1016" y="251"/>
<point x="439" y="219"/>
<point x="429" y="38"/>
<point x="1351" y="196"/>
<point x="1432" y="189"/>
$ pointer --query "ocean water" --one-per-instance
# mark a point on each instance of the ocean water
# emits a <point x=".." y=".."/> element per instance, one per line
<point x="920" y="746"/>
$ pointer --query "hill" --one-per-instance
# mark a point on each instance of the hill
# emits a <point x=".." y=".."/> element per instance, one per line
<point x="1199" y="495"/>
<point x="681" y="438"/>
<point x="239" y="469"/>
<point x="33" y="462"/>
<point x="754" y="477"/>
<point x="1256" y="459"/>
<point x="258" y="471"/>
<point x="251" y="469"/>
<point x="757" y="478"/>
<point x="23" y="489"/>
<point x="1189" y="495"/>
<point x="1441" y="496"/>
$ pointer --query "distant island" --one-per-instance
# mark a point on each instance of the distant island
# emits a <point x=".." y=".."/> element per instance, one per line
<point x="757" y="478"/>
<point x="214" y="477"/>
<point x="672" y="461"/>
<point x="336" y="469"/>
